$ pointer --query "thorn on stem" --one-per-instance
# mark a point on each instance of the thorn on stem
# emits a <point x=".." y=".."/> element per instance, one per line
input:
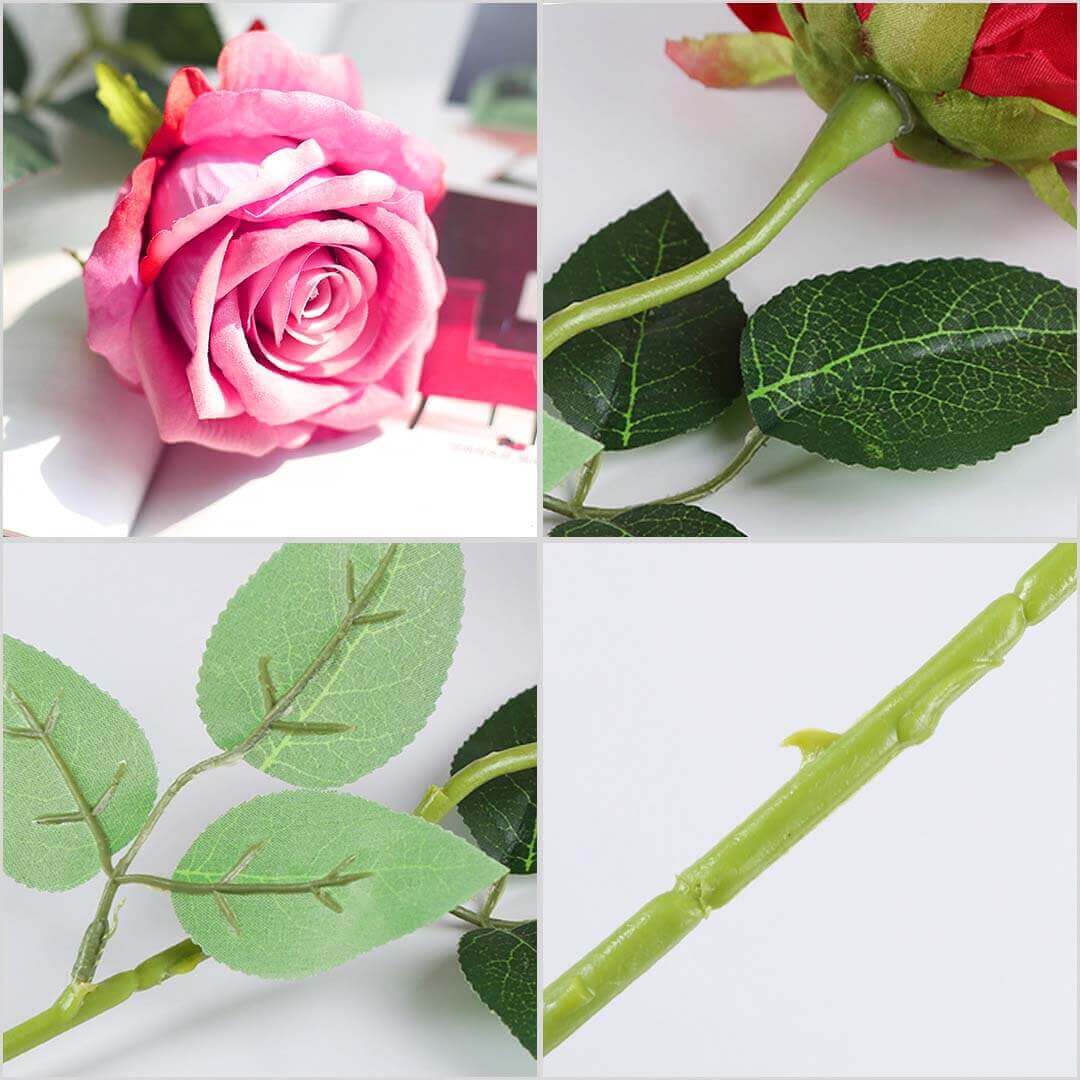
<point x="267" y="683"/>
<point x="227" y="912"/>
<point x="327" y="900"/>
<point x="811" y="742"/>
<point x="243" y="862"/>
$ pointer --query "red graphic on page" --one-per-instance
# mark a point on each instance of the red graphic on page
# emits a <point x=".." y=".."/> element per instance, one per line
<point x="483" y="351"/>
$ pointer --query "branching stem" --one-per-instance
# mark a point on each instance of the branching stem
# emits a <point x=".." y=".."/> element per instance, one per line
<point x="832" y="771"/>
<point x="83" y="1001"/>
<point x="753" y="442"/>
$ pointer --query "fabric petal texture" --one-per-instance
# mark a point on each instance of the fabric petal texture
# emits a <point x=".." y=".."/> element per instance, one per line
<point x="269" y="274"/>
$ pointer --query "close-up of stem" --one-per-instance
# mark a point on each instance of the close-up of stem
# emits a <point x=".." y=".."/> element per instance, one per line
<point x="870" y="115"/>
<point x="834" y="767"/>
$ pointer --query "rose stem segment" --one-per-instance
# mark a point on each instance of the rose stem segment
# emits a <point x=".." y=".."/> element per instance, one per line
<point x="185" y="956"/>
<point x="834" y="768"/>
<point x="865" y="118"/>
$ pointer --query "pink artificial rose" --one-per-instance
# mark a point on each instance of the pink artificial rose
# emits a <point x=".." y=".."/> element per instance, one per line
<point x="269" y="270"/>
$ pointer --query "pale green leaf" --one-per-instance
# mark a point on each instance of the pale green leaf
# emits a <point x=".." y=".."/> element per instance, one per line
<point x="418" y="872"/>
<point x="730" y="60"/>
<point x="382" y="683"/>
<point x="129" y="107"/>
<point x="102" y="747"/>
<point x="564" y="450"/>
<point x="27" y="148"/>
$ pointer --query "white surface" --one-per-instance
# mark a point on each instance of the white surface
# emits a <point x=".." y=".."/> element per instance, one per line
<point x="621" y="123"/>
<point x="133" y="618"/>
<point x="81" y="449"/>
<point x="926" y="928"/>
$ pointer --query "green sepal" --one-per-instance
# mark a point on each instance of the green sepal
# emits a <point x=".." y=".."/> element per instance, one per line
<point x="923" y="46"/>
<point x="730" y="60"/>
<point x="1046" y="183"/>
<point x="130" y="108"/>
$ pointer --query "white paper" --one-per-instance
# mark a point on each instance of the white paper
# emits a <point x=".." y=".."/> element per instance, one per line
<point x="79" y="448"/>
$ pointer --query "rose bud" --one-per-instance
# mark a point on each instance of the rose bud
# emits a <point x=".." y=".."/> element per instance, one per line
<point x="269" y="271"/>
<point x="983" y="83"/>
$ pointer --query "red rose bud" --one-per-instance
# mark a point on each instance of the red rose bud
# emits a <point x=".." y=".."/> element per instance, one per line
<point x="985" y="82"/>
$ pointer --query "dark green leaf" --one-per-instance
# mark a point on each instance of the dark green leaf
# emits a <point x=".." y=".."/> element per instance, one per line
<point x="502" y="813"/>
<point x="501" y="967"/>
<point x="922" y="365"/>
<point x="664" y="372"/>
<point x="16" y="63"/>
<point x="180" y="33"/>
<point x="27" y="149"/>
<point x="658" y="521"/>
<point x="86" y="112"/>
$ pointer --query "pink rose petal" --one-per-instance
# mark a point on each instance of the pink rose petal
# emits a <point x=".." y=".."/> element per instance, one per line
<point x="264" y="61"/>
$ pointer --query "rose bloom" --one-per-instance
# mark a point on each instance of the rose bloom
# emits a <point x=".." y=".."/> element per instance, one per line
<point x="269" y="271"/>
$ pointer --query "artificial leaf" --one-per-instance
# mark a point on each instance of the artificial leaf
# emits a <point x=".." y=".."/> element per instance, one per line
<point x="418" y="872"/>
<point x="662" y="372"/>
<point x="729" y="60"/>
<point x="85" y="111"/>
<point x="27" y="149"/>
<point x="16" y="63"/>
<point x="501" y="814"/>
<point x="500" y="965"/>
<point x="564" y="450"/>
<point x="179" y="33"/>
<point x="922" y="365"/>
<point x="102" y="747"/>
<point x="130" y="108"/>
<point x="382" y="683"/>
<point x="658" y="520"/>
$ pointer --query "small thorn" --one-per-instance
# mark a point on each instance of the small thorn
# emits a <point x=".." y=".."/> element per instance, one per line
<point x="20" y="703"/>
<point x="811" y="742"/>
<point x="243" y="862"/>
<point x="227" y="912"/>
<point x="267" y="683"/>
<point x="343" y="865"/>
<point x="53" y="714"/>
<point x="350" y="582"/>
<point x="21" y="733"/>
<point x="327" y="900"/>
<point x="313" y="727"/>
<point x="58" y="819"/>
<point x="110" y="791"/>
<point x="377" y="617"/>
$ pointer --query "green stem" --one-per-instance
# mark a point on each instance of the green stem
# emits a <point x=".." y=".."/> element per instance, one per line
<point x="475" y="918"/>
<point x="239" y="888"/>
<point x="864" y="119"/>
<point x="107" y="994"/>
<point x="753" y="442"/>
<point x="89" y="1000"/>
<point x="439" y="801"/>
<point x="834" y="768"/>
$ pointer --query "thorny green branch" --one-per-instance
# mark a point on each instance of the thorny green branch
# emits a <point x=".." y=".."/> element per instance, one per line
<point x="88" y="1000"/>
<point x="834" y="768"/>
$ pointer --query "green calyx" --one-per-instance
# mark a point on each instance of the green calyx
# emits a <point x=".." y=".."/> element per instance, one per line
<point x="923" y="50"/>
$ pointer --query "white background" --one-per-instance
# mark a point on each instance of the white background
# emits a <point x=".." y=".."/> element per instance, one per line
<point x="133" y="618"/>
<point x="621" y="123"/>
<point x="926" y="928"/>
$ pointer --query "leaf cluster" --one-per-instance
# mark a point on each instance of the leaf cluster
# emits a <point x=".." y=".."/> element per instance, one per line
<point x="920" y="366"/>
<point x="153" y="39"/>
